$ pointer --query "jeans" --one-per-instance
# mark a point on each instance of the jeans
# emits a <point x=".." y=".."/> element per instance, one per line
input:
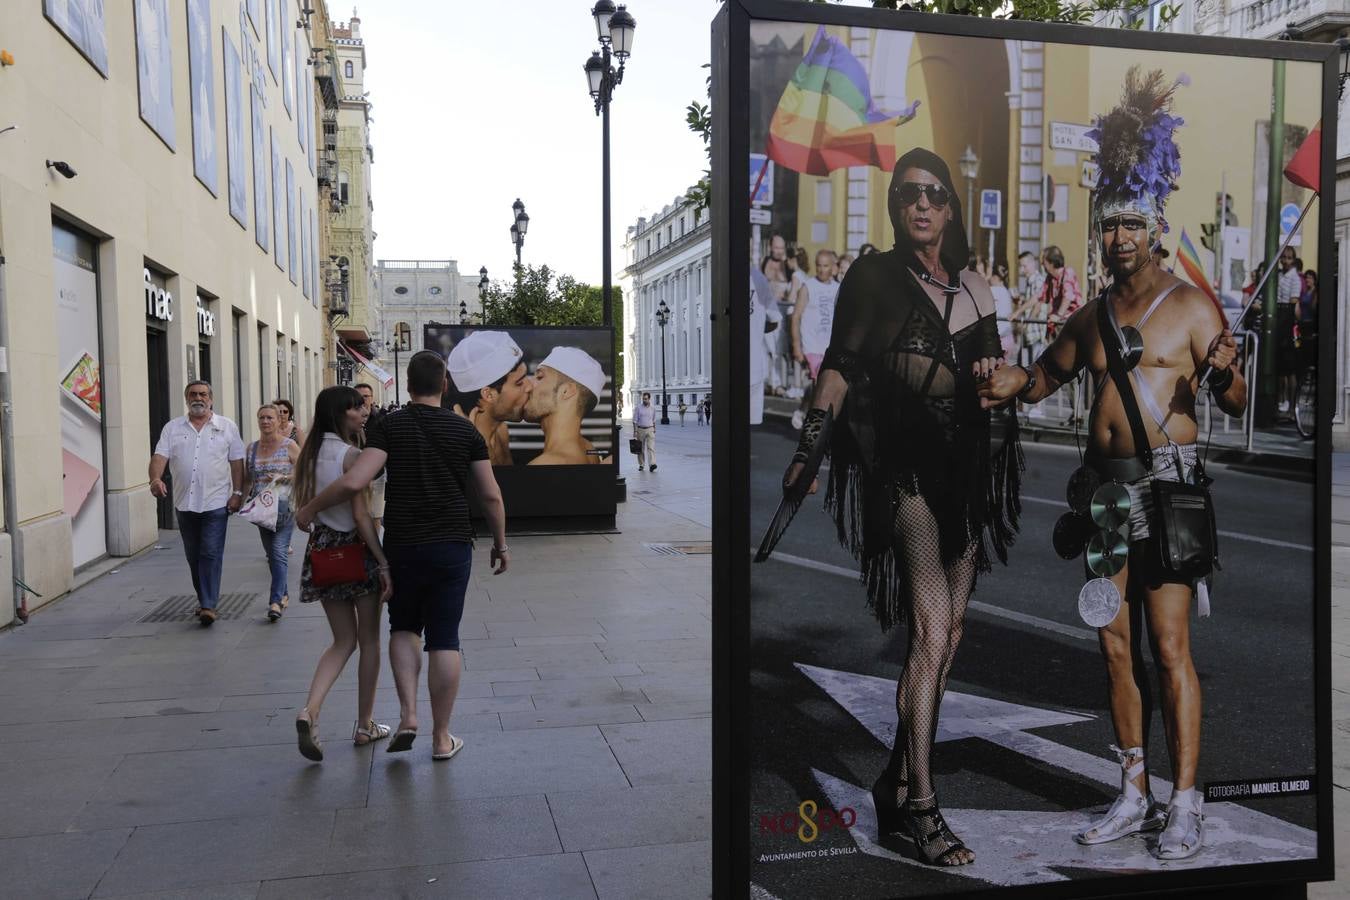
<point x="204" y="546"/>
<point x="277" y="545"/>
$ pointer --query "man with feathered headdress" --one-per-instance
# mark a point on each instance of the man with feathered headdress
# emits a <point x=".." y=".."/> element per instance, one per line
<point x="1153" y="335"/>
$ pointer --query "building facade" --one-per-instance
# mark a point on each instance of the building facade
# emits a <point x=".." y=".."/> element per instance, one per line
<point x="157" y="225"/>
<point x="416" y="292"/>
<point x="352" y="207"/>
<point x="669" y="258"/>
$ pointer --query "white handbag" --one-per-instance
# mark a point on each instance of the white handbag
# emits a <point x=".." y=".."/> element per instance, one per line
<point x="262" y="510"/>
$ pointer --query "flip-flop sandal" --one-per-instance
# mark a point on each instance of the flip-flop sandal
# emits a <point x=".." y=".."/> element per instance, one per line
<point x="456" y="745"/>
<point x="402" y="741"/>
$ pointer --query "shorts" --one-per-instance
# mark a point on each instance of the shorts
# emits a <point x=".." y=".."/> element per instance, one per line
<point x="1145" y="555"/>
<point x="429" y="585"/>
<point x="813" y="361"/>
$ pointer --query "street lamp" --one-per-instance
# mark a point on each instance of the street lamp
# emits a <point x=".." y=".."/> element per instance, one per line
<point x="463" y="313"/>
<point x="615" y="28"/>
<point x="662" y="318"/>
<point x="1343" y="44"/>
<point x="970" y="168"/>
<point x="518" y="229"/>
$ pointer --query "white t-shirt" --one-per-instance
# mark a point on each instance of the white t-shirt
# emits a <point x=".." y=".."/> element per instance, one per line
<point x="199" y="461"/>
<point x="1289" y="286"/>
<point x="1003" y="308"/>
<point x="818" y="317"/>
<point x="763" y="309"/>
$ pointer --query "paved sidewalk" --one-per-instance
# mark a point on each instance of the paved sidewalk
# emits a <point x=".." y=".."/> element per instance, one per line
<point x="140" y="757"/>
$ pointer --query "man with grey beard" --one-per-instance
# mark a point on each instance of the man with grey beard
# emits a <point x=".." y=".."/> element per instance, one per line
<point x="205" y="458"/>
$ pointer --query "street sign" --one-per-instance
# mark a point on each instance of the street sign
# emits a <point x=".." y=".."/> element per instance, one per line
<point x="764" y="195"/>
<point x="1069" y="136"/>
<point x="1288" y="218"/>
<point x="759" y="216"/>
<point x="991" y="208"/>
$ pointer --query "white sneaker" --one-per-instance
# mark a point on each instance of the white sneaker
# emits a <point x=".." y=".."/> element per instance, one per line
<point x="797" y="420"/>
<point x="1284" y="406"/>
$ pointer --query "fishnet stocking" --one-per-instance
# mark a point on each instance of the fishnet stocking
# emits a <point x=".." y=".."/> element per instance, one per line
<point x="937" y="607"/>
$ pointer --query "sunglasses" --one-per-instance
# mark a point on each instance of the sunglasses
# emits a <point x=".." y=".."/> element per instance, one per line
<point x="1129" y="223"/>
<point x="938" y="196"/>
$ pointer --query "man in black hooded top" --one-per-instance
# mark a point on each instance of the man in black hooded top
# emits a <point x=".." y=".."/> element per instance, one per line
<point x="919" y="494"/>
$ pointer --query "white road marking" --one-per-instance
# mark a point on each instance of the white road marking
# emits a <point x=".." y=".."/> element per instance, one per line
<point x="1082" y="634"/>
<point x="1025" y="847"/>
<point x="1235" y="535"/>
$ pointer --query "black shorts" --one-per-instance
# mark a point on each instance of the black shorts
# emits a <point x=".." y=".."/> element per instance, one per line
<point x="1146" y="563"/>
<point x="429" y="584"/>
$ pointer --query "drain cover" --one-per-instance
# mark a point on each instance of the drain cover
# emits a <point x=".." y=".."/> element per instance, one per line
<point x="694" y="548"/>
<point x="183" y="608"/>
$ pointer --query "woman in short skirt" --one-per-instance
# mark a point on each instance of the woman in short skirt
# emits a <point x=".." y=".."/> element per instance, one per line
<point x="353" y="609"/>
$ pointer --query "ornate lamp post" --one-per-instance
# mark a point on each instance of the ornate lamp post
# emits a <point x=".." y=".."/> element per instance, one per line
<point x="970" y="168"/>
<point x="463" y="313"/>
<point x="614" y="28"/>
<point x="518" y="228"/>
<point x="662" y="319"/>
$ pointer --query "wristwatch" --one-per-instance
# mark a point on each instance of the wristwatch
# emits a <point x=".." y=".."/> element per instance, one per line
<point x="1031" y="380"/>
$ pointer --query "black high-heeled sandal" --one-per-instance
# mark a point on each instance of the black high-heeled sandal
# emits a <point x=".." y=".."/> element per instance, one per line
<point x="934" y="840"/>
<point x="886" y="800"/>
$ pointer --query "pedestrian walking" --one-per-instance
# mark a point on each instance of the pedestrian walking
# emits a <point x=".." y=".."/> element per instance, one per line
<point x="205" y="459"/>
<point x="287" y="424"/>
<point x="644" y="429"/>
<point x="698" y="407"/>
<point x="432" y="455"/>
<point x="684" y="408"/>
<point x="707" y="408"/>
<point x="350" y="599"/>
<point x="378" y="485"/>
<point x="269" y="465"/>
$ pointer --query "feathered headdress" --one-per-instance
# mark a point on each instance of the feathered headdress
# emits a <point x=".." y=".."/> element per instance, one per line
<point x="1137" y="156"/>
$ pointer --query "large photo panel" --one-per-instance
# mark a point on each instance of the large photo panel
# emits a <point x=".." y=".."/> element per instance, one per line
<point x="543" y="399"/>
<point x="993" y="642"/>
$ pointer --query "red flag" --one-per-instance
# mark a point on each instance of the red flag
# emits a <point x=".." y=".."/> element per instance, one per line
<point x="1305" y="168"/>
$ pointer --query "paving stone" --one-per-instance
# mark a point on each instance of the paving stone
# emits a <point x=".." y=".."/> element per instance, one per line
<point x="663" y="752"/>
<point x="627" y="817"/>
<point x="243" y="891"/>
<point x="58" y="865"/>
<point x="562" y="716"/>
<point x="559" y="875"/>
<point x="669" y="871"/>
<point x="44" y="796"/>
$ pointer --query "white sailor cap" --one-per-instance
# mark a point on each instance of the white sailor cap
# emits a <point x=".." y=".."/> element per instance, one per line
<point x="482" y="358"/>
<point x="579" y="366"/>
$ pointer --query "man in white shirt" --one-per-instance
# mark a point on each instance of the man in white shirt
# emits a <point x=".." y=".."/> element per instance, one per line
<point x="205" y="458"/>
<point x="644" y="428"/>
<point x="764" y="319"/>
<point x="1287" y="289"/>
<point x="812" y="321"/>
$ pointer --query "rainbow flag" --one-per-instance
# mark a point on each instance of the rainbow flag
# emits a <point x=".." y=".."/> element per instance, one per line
<point x="826" y="118"/>
<point x="1190" y="262"/>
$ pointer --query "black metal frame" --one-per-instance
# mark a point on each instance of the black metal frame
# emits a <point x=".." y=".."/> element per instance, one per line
<point x="731" y="437"/>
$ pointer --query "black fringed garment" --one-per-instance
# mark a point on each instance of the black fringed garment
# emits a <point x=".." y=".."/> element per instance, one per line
<point x="912" y="422"/>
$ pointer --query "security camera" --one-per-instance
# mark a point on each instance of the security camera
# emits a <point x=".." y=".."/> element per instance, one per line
<point x="62" y="167"/>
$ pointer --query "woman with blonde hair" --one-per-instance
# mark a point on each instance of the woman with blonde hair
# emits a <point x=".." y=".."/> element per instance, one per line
<point x="353" y="608"/>
<point x="269" y="463"/>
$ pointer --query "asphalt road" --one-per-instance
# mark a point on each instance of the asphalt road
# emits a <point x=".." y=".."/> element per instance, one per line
<point x="1023" y="644"/>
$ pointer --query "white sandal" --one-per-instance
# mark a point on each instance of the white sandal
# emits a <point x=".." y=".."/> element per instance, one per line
<point x="1185" y="831"/>
<point x="1132" y="812"/>
<point x="372" y="732"/>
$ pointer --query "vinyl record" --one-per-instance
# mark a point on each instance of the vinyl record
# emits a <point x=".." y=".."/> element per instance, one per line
<point x="1133" y="351"/>
<point x="1099" y="602"/>
<point x="1083" y="483"/>
<point x="1071" y="534"/>
<point x="1110" y="506"/>
<point x="1106" y="553"/>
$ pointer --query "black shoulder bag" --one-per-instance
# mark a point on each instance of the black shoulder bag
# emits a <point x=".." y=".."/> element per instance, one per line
<point x="1183" y="527"/>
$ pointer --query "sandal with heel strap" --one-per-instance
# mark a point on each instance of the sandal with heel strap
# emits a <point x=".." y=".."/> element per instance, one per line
<point x="371" y="732"/>
<point x="1132" y="812"/>
<point x="307" y="737"/>
<point x="886" y="794"/>
<point x="935" y="841"/>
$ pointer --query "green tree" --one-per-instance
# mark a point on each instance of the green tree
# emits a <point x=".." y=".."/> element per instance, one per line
<point x="1111" y="13"/>
<point x="542" y="296"/>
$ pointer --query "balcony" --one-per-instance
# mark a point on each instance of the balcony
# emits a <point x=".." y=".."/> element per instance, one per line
<point x="1267" y="18"/>
<point x="325" y="76"/>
